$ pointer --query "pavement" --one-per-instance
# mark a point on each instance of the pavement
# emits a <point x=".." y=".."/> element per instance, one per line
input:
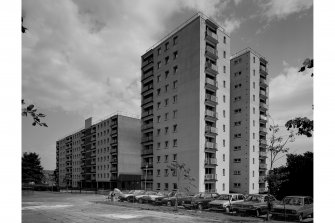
<point x="55" y="207"/>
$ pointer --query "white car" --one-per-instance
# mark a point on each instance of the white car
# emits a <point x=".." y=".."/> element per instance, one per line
<point x="224" y="202"/>
<point x="140" y="198"/>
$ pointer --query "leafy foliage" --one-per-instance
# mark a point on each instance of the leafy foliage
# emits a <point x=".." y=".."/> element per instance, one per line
<point x="304" y="125"/>
<point x="276" y="178"/>
<point x="23" y="29"/>
<point x="31" y="168"/>
<point x="34" y="114"/>
<point x="308" y="63"/>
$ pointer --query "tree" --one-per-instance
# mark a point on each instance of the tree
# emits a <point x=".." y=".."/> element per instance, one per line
<point x="183" y="174"/>
<point x="276" y="179"/>
<point x="23" y="29"/>
<point x="32" y="171"/>
<point x="33" y="113"/>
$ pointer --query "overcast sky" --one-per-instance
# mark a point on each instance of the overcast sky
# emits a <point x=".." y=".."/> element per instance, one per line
<point x="82" y="58"/>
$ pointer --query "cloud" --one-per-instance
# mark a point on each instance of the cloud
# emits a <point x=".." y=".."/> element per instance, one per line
<point x="85" y="57"/>
<point x="231" y="25"/>
<point x="279" y="9"/>
<point x="237" y="2"/>
<point x="291" y="95"/>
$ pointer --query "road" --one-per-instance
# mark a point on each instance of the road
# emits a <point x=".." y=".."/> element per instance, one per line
<point x="48" y="207"/>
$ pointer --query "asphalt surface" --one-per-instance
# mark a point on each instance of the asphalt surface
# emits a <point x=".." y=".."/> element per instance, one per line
<point x="48" y="207"/>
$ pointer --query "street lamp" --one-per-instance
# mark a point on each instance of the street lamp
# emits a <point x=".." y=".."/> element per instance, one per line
<point x="145" y="179"/>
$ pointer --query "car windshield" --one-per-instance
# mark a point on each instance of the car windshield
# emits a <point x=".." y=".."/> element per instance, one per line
<point x="254" y="198"/>
<point x="224" y="197"/>
<point x="139" y="193"/>
<point x="297" y="201"/>
<point x="150" y="193"/>
<point x="131" y="192"/>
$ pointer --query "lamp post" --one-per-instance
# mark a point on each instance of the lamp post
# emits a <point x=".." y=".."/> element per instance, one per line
<point x="145" y="179"/>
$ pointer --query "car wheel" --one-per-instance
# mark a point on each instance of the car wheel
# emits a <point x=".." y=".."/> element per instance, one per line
<point x="300" y="218"/>
<point x="258" y="213"/>
<point x="168" y="203"/>
<point x="228" y="209"/>
<point x="200" y="207"/>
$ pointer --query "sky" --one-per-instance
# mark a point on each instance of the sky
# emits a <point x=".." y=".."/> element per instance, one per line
<point x="82" y="58"/>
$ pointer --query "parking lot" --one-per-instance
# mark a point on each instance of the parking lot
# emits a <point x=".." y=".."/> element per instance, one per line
<point x="38" y="207"/>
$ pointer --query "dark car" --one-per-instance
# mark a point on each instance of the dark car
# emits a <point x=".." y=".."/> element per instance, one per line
<point x="255" y="204"/>
<point x="159" y="200"/>
<point x="131" y="197"/>
<point x="293" y="207"/>
<point x="180" y="197"/>
<point x="151" y="197"/>
<point x="200" y="200"/>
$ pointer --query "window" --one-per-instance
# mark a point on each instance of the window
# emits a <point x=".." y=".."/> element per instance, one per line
<point x="175" y="55"/>
<point x="224" y="84"/>
<point x="158" y="119"/>
<point x="239" y="110"/>
<point x="158" y="132"/>
<point x="175" y="114"/>
<point x="166" y="46"/>
<point x="166" y="74"/>
<point x="166" y="172"/>
<point x="175" y="99"/>
<point x="237" y="135"/>
<point x="253" y="173"/>
<point x="253" y="97"/>
<point x="254" y="59"/>
<point x="158" y="186"/>
<point x="238" y="86"/>
<point x="224" y="98"/>
<point x="224" y="157"/>
<point x="224" y="39"/>
<point x="166" y="186"/>
<point x="158" y="78"/>
<point x="253" y="148"/>
<point x="166" y="87"/>
<point x="253" y="110"/>
<point x="223" y="172"/>
<point x="166" y="144"/>
<point x="223" y="187"/>
<point x="253" y="135"/>
<point x="253" y="160"/>
<point x="237" y="172"/>
<point x="254" y="85"/>
<point x="253" y="123"/>
<point x="158" y="172"/>
<point x="175" y="84"/>
<point x="224" y="54"/>
<point x="224" y="69"/>
<point x="224" y="128"/>
<point x="237" y="185"/>
<point x="224" y="143"/>
<point x="166" y="130"/>
<point x="158" y="64"/>
<point x="158" y="159"/>
<point x="254" y="72"/>
<point x="237" y="123"/>
<point x="166" y="101"/>
<point x="166" y="116"/>
<point x="175" y="143"/>
<point x="158" y="105"/>
<point x="175" y="69"/>
<point x="253" y="186"/>
<point x="166" y="158"/>
<point x="174" y="157"/>
<point x="175" y="185"/>
<point x="158" y="145"/>
<point x="158" y="91"/>
<point x="224" y="113"/>
<point x="167" y="60"/>
<point x="237" y="160"/>
<point x="159" y="51"/>
<point x="174" y="128"/>
<point x="175" y="40"/>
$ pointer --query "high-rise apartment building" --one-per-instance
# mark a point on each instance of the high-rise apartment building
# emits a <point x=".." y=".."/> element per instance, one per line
<point x="185" y="107"/>
<point x="106" y="154"/>
<point x="248" y="121"/>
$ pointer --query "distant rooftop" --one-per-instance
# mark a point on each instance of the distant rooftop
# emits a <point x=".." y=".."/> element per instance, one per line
<point x="248" y="49"/>
<point x="126" y="114"/>
<point x="198" y="14"/>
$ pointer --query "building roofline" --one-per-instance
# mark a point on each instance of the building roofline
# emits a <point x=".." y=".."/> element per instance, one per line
<point x="184" y="24"/>
<point x="117" y="113"/>
<point x="246" y="50"/>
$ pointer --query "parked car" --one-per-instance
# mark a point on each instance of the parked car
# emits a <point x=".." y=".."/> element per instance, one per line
<point x="139" y="198"/>
<point x="131" y="196"/>
<point x="200" y="200"/>
<point x="151" y="197"/>
<point x="159" y="200"/>
<point x="254" y="204"/>
<point x="224" y="202"/>
<point x="180" y="197"/>
<point x="297" y="207"/>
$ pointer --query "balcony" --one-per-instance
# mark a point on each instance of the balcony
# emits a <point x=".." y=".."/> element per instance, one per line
<point x="147" y="62"/>
<point x="211" y="52"/>
<point x="146" y="165"/>
<point x="147" y="113"/>
<point x="262" y="166"/>
<point x="114" y="160"/>
<point x="147" y="139"/>
<point x="263" y="118"/>
<point x="211" y="114"/>
<point x="264" y="107"/>
<point x="114" y="169"/>
<point x="211" y="84"/>
<point x="262" y="179"/>
<point x="262" y="190"/>
<point x="114" y="150"/>
<point x="211" y="161"/>
<point x="262" y="131"/>
<point x="147" y="152"/>
<point x="147" y="100"/>
<point x="147" y="88"/>
<point x="262" y="143"/>
<point x="210" y="129"/>
<point x="114" y="132"/>
<point x="262" y="94"/>
<point x="263" y="71"/>
<point x="114" y="123"/>
<point x="262" y="154"/>
<point x="147" y="75"/>
<point x="114" y="142"/>
<point x="211" y="191"/>
<point x="147" y="177"/>
<point x="147" y="126"/>
<point x="211" y="98"/>
<point x="212" y="37"/>
<point x="210" y="177"/>
<point x="263" y="83"/>
<point x="211" y="68"/>
<point x="113" y="177"/>
<point x="211" y="146"/>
